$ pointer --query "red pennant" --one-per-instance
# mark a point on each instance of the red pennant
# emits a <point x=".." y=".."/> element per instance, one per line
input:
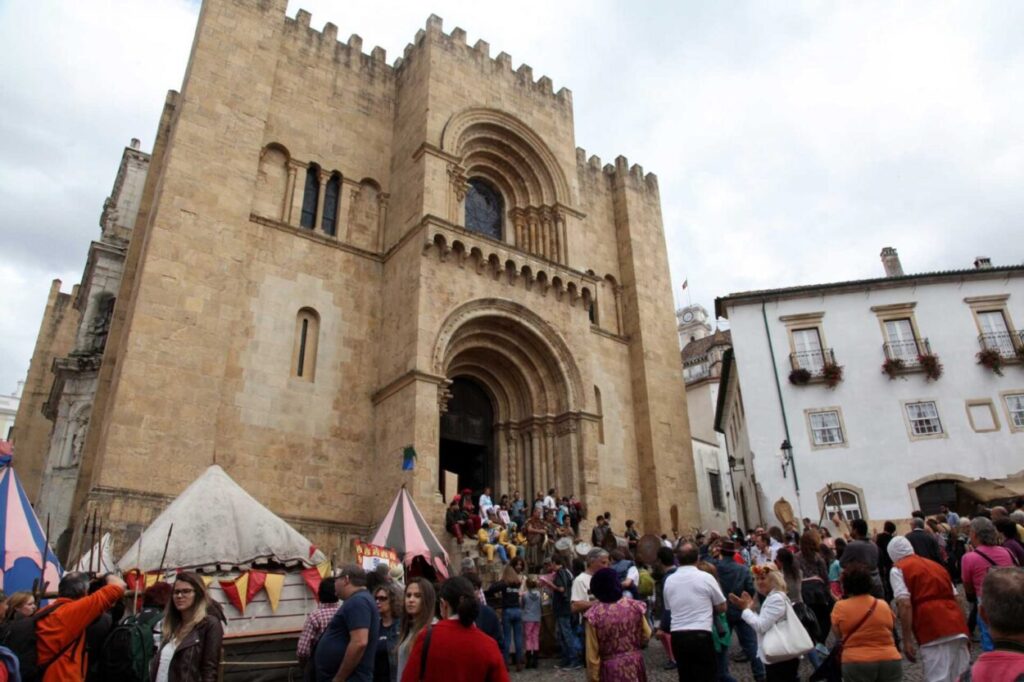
<point x="131" y="578"/>
<point x="231" y="591"/>
<point x="312" y="578"/>
<point x="256" y="580"/>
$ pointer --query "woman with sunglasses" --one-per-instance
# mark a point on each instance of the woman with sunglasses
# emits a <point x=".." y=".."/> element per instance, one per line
<point x="192" y="632"/>
<point x="389" y="605"/>
<point x="770" y="583"/>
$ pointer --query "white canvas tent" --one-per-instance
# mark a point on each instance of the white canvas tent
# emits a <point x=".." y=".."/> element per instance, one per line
<point x="218" y="525"/>
<point x="222" y="531"/>
<point x="99" y="559"/>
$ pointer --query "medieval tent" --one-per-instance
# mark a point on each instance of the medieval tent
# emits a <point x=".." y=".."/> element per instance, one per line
<point x="99" y="559"/>
<point x="260" y="569"/>
<point x="405" y="531"/>
<point x="22" y="541"/>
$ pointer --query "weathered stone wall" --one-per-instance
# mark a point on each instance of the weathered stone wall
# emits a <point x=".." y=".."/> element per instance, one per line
<point x="207" y="331"/>
<point x="32" y="428"/>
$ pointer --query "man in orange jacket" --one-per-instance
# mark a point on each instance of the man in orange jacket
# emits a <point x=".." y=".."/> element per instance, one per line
<point x="63" y="630"/>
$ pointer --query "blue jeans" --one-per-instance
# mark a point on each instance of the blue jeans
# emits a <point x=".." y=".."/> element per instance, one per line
<point x="748" y="643"/>
<point x="723" y="666"/>
<point x="567" y="640"/>
<point x="512" y="621"/>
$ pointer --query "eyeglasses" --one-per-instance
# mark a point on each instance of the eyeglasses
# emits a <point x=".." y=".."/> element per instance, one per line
<point x="381" y="599"/>
<point x="182" y="593"/>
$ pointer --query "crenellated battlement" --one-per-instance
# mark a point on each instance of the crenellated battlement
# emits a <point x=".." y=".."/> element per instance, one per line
<point x="620" y="168"/>
<point x="326" y="41"/>
<point x="480" y="52"/>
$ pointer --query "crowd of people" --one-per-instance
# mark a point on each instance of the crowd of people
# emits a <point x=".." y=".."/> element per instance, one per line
<point x="784" y="593"/>
<point x="89" y="633"/>
<point x="854" y="603"/>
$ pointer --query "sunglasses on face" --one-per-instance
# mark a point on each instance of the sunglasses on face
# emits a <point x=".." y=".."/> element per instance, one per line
<point x="380" y="599"/>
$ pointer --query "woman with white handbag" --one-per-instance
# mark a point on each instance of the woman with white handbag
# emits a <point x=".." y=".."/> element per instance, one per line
<point x="781" y="639"/>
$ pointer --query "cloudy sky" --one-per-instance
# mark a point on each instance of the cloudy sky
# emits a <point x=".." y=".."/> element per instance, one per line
<point x="791" y="140"/>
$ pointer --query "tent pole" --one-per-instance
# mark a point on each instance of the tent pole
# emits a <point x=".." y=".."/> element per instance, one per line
<point x="167" y="544"/>
<point x="42" y="564"/>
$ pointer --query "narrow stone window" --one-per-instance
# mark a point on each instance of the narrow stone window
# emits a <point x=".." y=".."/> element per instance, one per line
<point x="310" y="195"/>
<point x="600" y="415"/>
<point x="484" y="209"/>
<point x="307" y="332"/>
<point x="331" y="194"/>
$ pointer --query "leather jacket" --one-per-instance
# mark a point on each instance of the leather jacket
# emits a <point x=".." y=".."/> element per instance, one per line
<point x="197" y="658"/>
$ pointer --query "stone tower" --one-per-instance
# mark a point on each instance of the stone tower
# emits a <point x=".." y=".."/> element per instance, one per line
<point x="336" y="257"/>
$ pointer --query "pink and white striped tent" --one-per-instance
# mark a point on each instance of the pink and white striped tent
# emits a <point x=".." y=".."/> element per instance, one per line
<point x="23" y="548"/>
<point x="405" y="531"/>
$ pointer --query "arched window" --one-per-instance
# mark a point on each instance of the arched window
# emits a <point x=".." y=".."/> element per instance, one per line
<point x="331" y="194"/>
<point x="307" y="332"/>
<point x="600" y="415"/>
<point x="845" y="502"/>
<point x="310" y="195"/>
<point x="484" y="209"/>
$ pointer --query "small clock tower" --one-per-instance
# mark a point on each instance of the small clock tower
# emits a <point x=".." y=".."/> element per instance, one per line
<point x="692" y="324"/>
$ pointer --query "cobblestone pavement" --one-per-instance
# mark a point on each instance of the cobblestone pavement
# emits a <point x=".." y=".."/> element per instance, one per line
<point x="655" y="657"/>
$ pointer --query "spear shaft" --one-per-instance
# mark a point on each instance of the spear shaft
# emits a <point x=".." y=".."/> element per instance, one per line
<point x="167" y="544"/>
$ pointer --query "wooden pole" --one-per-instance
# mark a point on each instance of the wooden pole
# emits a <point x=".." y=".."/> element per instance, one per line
<point x="99" y="558"/>
<point x="42" y="562"/>
<point x="92" y="542"/>
<point x="167" y="544"/>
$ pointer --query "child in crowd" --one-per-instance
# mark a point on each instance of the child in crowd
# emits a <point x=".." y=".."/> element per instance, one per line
<point x="531" y="621"/>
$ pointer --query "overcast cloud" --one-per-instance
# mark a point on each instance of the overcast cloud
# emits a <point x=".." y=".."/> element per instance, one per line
<point x="791" y="140"/>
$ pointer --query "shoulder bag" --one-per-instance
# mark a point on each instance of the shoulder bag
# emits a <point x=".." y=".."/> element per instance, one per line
<point x="787" y="639"/>
<point x="831" y="669"/>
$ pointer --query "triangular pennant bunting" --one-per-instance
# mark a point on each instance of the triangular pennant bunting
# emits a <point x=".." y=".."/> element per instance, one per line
<point x="235" y="591"/>
<point x="273" y="584"/>
<point x="324" y="568"/>
<point x="256" y="580"/>
<point x="312" y="578"/>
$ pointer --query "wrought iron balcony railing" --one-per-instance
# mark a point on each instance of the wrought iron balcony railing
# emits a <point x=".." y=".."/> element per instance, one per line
<point x="907" y="351"/>
<point x="1001" y="342"/>
<point x="813" y="361"/>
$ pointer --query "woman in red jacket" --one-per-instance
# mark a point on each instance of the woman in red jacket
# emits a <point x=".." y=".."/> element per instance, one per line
<point x="455" y="650"/>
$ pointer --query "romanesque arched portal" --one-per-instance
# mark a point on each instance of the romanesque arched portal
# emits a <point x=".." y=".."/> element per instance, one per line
<point x="531" y="381"/>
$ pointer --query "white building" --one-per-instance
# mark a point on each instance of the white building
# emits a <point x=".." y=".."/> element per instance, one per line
<point x="8" y="409"/>
<point x="888" y="436"/>
<point x="724" y="494"/>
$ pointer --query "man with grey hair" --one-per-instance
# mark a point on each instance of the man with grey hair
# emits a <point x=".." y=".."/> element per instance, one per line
<point x="582" y="600"/>
<point x="348" y="646"/>
<point x="986" y="555"/>
<point x="923" y="542"/>
<point x="1003" y="610"/>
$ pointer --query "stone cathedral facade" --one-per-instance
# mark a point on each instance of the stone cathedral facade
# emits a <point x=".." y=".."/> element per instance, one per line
<point x="335" y="257"/>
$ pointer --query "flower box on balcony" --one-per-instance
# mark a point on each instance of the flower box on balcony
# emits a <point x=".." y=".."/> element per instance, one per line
<point x="800" y="377"/>
<point x="832" y="374"/>
<point x="991" y="359"/>
<point x="929" y="362"/>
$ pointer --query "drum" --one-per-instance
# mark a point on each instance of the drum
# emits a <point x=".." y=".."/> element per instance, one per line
<point x="563" y="545"/>
<point x="647" y="549"/>
<point x="583" y="548"/>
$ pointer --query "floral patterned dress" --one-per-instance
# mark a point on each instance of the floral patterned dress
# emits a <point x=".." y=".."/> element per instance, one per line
<point x="617" y="632"/>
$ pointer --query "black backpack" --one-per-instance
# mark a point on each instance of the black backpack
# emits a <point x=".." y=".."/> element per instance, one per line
<point x="129" y="648"/>
<point x="19" y="635"/>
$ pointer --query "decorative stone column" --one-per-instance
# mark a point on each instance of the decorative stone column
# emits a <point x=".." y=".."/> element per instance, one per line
<point x="320" y="197"/>
<point x="382" y="219"/>
<point x="459" y="188"/>
<point x="298" y="190"/>
<point x="289" y="193"/>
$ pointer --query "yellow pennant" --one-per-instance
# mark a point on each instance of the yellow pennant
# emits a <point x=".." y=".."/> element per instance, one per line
<point x="207" y="579"/>
<point x="324" y="568"/>
<point x="151" y="579"/>
<point x="242" y="584"/>
<point x="273" y="585"/>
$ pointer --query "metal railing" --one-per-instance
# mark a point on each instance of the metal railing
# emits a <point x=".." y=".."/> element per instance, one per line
<point x="1001" y="342"/>
<point x="813" y="361"/>
<point x="907" y="351"/>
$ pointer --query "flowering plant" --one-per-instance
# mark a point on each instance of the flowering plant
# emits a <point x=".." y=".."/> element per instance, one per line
<point x="931" y="365"/>
<point x="991" y="359"/>
<point x="800" y="377"/>
<point x="832" y="374"/>
<point x="892" y="367"/>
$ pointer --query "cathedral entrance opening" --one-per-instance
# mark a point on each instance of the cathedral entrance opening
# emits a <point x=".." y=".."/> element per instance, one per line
<point x="511" y="420"/>
<point x="467" y="438"/>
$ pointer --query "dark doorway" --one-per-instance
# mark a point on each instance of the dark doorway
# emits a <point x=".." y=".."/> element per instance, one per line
<point x="467" y="438"/>
<point x="933" y="494"/>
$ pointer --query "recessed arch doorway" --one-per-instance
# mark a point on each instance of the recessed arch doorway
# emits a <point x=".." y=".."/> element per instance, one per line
<point x="467" y="437"/>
